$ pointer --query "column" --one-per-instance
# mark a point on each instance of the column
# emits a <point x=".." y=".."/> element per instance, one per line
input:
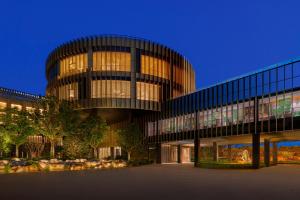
<point x="275" y="153"/>
<point x="215" y="152"/>
<point x="267" y="152"/>
<point x="196" y="150"/>
<point x="133" y="77"/>
<point x="255" y="150"/>
<point x="158" y="153"/>
<point x="89" y="75"/>
<point x="179" y="148"/>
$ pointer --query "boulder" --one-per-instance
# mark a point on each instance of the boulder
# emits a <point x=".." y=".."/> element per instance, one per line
<point x="92" y="164"/>
<point x="56" y="166"/>
<point x="19" y="169"/>
<point x="54" y="160"/>
<point x="3" y="162"/>
<point x="16" y="159"/>
<point x="32" y="168"/>
<point x="43" y="165"/>
<point x="77" y="167"/>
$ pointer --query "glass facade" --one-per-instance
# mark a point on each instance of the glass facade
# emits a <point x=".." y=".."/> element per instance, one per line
<point x="110" y="89"/>
<point x="229" y="108"/>
<point x="73" y="65"/>
<point x="155" y="66"/>
<point x="68" y="91"/>
<point x="111" y="61"/>
<point x="147" y="91"/>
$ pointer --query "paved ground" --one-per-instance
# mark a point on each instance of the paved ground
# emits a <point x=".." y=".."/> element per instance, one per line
<point x="155" y="182"/>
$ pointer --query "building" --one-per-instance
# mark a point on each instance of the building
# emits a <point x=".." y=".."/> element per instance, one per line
<point x="127" y="79"/>
<point x="120" y="77"/>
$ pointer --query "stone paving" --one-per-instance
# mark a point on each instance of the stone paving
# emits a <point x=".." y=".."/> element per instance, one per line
<point x="155" y="182"/>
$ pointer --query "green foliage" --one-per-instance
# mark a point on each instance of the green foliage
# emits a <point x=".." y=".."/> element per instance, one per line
<point x="56" y="120"/>
<point x="5" y="141"/>
<point x="130" y="139"/>
<point x="74" y="147"/>
<point x="15" y="128"/>
<point x="7" y="169"/>
<point x="94" y="128"/>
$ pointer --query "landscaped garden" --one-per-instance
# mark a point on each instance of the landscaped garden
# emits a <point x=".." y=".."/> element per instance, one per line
<point x="54" y="136"/>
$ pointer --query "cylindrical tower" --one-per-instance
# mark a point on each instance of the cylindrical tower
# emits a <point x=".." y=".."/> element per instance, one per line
<point x="117" y="75"/>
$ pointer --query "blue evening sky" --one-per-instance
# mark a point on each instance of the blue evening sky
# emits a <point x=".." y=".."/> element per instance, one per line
<point x="222" y="39"/>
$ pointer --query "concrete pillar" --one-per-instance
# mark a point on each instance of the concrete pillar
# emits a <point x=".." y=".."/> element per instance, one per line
<point x="275" y="153"/>
<point x="158" y="153"/>
<point x="255" y="150"/>
<point x="179" y="150"/>
<point x="215" y="152"/>
<point x="267" y="152"/>
<point x="196" y="150"/>
<point x="229" y="152"/>
<point x="112" y="153"/>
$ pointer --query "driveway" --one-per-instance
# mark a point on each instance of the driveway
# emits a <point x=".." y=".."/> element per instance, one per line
<point x="155" y="182"/>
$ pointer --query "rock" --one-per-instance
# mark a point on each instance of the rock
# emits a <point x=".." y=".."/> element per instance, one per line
<point x="4" y="162"/>
<point x="77" y="167"/>
<point x="43" y="165"/>
<point x="91" y="164"/>
<point x="16" y="159"/>
<point x="56" y="166"/>
<point x="44" y="161"/>
<point x="18" y="163"/>
<point x="54" y="160"/>
<point x="106" y="165"/>
<point x="32" y="168"/>
<point x="19" y="169"/>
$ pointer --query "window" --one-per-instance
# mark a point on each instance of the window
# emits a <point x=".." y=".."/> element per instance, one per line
<point x="68" y="92"/>
<point x="156" y="67"/>
<point x="73" y="65"/>
<point x="30" y="109"/>
<point x="147" y="91"/>
<point x="16" y="106"/>
<point x="111" y="61"/>
<point x="110" y="89"/>
<point x="3" y="105"/>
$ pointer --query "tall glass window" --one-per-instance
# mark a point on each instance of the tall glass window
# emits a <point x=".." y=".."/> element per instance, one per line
<point x="68" y="92"/>
<point x="73" y="65"/>
<point x="147" y="91"/>
<point x="110" y="89"/>
<point x="154" y="66"/>
<point x="111" y="61"/>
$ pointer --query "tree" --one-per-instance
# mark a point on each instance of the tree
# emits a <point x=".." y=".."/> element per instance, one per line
<point x="48" y="121"/>
<point x="5" y="141"/>
<point x="94" y="129"/>
<point x="16" y="127"/>
<point x="130" y="139"/>
<point x="74" y="147"/>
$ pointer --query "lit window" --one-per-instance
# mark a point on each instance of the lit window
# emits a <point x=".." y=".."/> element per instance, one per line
<point x="3" y="105"/>
<point x="16" y="106"/>
<point x="29" y="109"/>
